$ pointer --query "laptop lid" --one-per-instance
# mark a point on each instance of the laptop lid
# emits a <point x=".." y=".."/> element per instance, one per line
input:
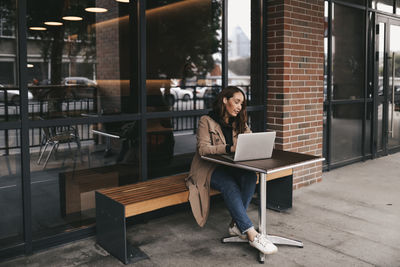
<point x="253" y="146"/>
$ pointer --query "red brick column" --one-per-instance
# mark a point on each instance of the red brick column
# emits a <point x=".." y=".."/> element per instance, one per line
<point x="295" y="80"/>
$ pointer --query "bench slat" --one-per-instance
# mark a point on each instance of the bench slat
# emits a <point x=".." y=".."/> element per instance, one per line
<point x="147" y="189"/>
<point x="162" y="180"/>
<point x="158" y="203"/>
<point x="129" y="200"/>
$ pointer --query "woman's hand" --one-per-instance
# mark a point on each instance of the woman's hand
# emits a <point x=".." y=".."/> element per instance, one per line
<point x="233" y="148"/>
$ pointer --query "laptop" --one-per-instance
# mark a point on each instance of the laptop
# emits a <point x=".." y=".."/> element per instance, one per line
<point x="253" y="146"/>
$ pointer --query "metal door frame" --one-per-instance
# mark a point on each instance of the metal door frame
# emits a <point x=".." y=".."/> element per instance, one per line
<point x="384" y="99"/>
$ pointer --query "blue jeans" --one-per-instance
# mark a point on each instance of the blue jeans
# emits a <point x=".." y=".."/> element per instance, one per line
<point x="237" y="188"/>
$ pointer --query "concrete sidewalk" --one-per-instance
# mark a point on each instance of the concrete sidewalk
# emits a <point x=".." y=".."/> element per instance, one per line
<point x="351" y="218"/>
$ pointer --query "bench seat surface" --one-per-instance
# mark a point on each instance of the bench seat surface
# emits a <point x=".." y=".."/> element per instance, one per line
<point x="150" y="195"/>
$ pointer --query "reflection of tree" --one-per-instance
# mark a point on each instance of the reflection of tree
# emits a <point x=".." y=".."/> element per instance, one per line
<point x="390" y="67"/>
<point x="182" y="32"/>
<point x="7" y="14"/>
<point x="71" y="38"/>
<point x="240" y="66"/>
<point x="397" y="64"/>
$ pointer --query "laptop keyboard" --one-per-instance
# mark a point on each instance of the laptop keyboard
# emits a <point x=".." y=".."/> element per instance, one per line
<point x="228" y="156"/>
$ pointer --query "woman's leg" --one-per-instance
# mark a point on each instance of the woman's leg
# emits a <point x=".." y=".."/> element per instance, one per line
<point x="247" y="181"/>
<point x="223" y="181"/>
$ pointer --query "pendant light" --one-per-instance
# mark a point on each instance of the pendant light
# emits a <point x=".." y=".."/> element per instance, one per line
<point x="96" y="9"/>
<point x="73" y="13"/>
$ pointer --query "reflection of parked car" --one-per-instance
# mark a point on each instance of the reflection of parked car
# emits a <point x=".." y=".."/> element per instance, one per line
<point x="176" y="93"/>
<point x="13" y="96"/>
<point x="83" y="87"/>
<point x="199" y="91"/>
<point x="209" y="95"/>
<point x="78" y="81"/>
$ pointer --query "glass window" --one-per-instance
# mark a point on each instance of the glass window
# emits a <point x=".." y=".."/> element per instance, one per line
<point x="368" y="128"/>
<point x="171" y="143"/>
<point x="325" y="147"/>
<point x="183" y="53"/>
<point x="357" y="2"/>
<point x="77" y="55"/>
<point x="326" y="51"/>
<point x="346" y="131"/>
<point x="11" y="220"/>
<point x="397" y="7"/>
<point x="348" y="52"/>
<point x="383" y="5"/>
<point x="254" y="119"/>
<point x="239" y="36"/>
<point x="68" y="163"/>
<point x="9" y="90"/>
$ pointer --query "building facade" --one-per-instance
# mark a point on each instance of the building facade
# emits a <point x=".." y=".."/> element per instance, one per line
<point x="101" y="93"/>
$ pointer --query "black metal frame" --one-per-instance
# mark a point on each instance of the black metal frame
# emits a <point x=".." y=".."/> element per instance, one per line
<point x="111" y="230"/>
<point x="368" y="70"/>
<point x="25" y="163"/>
<point x="138" y="79"/>
<point x="330" y="103"/>
<point x="386" y="150"/>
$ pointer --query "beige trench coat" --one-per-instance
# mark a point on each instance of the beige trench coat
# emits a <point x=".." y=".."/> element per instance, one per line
<point x="210" y="140"/>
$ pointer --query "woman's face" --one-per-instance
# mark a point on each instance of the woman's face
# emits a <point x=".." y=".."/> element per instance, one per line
<point x="233" y="105"/>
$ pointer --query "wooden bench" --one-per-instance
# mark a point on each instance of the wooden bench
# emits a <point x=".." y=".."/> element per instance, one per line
<point x="114" y="205"/>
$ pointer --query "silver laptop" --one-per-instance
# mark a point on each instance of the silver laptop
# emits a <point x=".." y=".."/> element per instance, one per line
<point x="253" y="146"/>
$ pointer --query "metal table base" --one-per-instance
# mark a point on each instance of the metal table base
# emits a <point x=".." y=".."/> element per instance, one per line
<point x="277" y="240"/>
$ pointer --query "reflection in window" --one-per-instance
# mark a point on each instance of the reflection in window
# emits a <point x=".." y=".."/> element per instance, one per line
<point x="368" y="128"/>
<point x="79" y="59"/>
<point x="239" y="36"/>
<point x="11" y="221"/>
<point x="397" y="7"/>
<point x="348" y="52"/>
<point x="380" y="48"/>
<point x="357" y="2"/>
<point x="7" y="18"/>
<point x="9" y="91"/>
<point x="326" y="52"/>
<point x="346" y="131"/>
<point x="171" y="143"/>
<point x="183" y="52"/>
<point x="68" y="163"/>
<point x="383" y="5"/>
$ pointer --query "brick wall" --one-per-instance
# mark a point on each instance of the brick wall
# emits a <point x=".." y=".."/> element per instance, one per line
<point x="295" y="80"/>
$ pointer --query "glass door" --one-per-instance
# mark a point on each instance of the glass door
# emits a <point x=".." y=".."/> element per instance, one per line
<point x="387" y="85"/>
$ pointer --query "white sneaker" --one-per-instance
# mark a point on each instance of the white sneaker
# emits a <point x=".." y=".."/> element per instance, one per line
<point x="261" y="243"/>
<point x="234" y="231"/>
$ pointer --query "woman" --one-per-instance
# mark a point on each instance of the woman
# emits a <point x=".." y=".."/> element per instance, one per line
<point x="217" y="134"/>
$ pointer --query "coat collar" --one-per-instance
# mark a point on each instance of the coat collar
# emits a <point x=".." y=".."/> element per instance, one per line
<point x="216" y="128"/>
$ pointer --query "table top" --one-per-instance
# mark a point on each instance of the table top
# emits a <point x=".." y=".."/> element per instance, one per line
<point x="280" y="160"/>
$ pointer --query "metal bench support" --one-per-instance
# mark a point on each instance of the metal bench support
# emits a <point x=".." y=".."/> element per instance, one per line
<point x="111" y="230"/>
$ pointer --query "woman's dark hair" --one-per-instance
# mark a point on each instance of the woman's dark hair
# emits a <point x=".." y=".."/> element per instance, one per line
<point x="219" y="107"/>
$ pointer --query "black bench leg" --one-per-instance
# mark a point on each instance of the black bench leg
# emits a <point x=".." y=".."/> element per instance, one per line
<point x="111" y="230"/>
<point x="280" y="193"/>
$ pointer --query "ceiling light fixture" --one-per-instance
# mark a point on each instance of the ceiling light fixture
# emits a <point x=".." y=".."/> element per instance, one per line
<point x="96" y="9"/>
<point x="53" y="23"/>
<point x="122" y="1"/>
<point x="29" y="65"/>
<point x="72" y="18"/>
<point x="37" y="28"/>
